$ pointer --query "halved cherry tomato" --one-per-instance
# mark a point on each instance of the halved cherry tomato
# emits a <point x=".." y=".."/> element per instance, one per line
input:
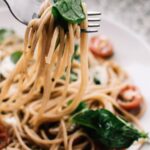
<point x="3" y="136"/>
<point x="101" y="47"/>
<point x="130" y="98"/>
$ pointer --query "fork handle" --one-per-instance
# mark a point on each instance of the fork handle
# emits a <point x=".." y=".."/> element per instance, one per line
<point x="9" y="4"/>
<point x="23" y="10"/>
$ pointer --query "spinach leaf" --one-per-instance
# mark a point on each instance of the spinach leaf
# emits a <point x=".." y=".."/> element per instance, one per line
<point x="68" y="10"/>
<point x="76" y="56"/>
<point x="69" y="102"/>
<point x="73" y="77"/>
<point x="55" y="1"/>
<point x="81" y="107"/>
<point x="63" y="77"/>
<point x="4" y="34"/>
<point x="16" y="56"/>
<point x="97" y="81"/>
<point x="105" y="127"/>
<point x="76" y="47"/>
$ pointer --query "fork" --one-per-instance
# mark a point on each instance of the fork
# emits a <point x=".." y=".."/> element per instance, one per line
<point x="25" y="10"/>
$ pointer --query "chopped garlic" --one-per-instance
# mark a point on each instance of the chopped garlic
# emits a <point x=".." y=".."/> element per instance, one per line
<point x="6" y="66"/>
<point x="9" y="120"/>
<point x="100" y="73"/>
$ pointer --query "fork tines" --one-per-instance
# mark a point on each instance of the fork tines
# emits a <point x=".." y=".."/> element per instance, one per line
<point x="94" y="13"/>
<point x="93" y="22"/>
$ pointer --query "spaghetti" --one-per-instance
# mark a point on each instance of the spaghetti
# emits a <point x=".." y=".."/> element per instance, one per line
<point x="38" y="109"/>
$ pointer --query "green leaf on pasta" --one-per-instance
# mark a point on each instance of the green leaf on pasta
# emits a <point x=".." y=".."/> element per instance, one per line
<point x="69" y="10"/>
<point x="16" y="56"/>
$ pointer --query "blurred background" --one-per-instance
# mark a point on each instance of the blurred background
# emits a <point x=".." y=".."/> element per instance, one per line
<point x="134" y="14"/>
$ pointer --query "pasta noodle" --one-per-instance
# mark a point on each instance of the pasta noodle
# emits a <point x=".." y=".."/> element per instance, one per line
<point x="39" y="105"/>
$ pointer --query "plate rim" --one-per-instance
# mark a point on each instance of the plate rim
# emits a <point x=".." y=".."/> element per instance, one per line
<point x="130" y="32"/>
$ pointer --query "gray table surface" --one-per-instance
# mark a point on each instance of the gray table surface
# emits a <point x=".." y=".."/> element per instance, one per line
<point x="135" y="14"/>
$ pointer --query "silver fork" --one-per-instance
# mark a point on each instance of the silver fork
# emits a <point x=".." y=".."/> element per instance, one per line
<point x="25" y="10"/>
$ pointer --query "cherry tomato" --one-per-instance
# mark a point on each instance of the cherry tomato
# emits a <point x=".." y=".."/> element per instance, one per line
<point x="101" y="47"/>
<point x="130" y="98"/>
<point x="3" y="136"/>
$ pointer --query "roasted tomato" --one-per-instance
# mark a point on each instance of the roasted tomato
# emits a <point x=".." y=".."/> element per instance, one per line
<point x="101" y="47"/>
<point x="130" y="98"/>
<point x="4" y="138"/>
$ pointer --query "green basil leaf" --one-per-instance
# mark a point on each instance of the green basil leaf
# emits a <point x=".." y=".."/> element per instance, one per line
<point x="69" y="10"/>
<point x="76" y="47"/>
<point x="73" y="77"/>
<point x="81" y="107"/>
<point x="16" y="56"/>
<point x="97" y="81"/>
<point x="69" y="102"/>
<point x="76" y="56"/>
<point x="105" y="127"/>
<point x="4" y="34"/>
<point x="54" y="1"/>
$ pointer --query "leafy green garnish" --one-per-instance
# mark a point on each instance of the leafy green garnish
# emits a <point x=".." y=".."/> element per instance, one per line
<point x="63" y="77"/>
<point x="76" y="56"/>
<point x="73" y="77"/>
<point x="16" y="56"/>
<point x="82" y="106"/>
<point x="96" y="81"/>
<point x="76" y="47"/>
<point x="55" y="1"/>
<point x="4" y="34"/>
<point x="68" y="10"/>
<point x="105" y="127"/>
<point x="69" y="102"/>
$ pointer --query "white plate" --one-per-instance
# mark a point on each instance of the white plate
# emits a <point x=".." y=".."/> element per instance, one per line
<point x="131" y="52"/>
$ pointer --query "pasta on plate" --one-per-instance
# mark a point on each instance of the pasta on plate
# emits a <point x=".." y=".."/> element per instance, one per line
<point x="59" y="93"/>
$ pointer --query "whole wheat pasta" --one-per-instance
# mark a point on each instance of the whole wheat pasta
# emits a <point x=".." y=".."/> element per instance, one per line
<point x="40" y="103"/>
